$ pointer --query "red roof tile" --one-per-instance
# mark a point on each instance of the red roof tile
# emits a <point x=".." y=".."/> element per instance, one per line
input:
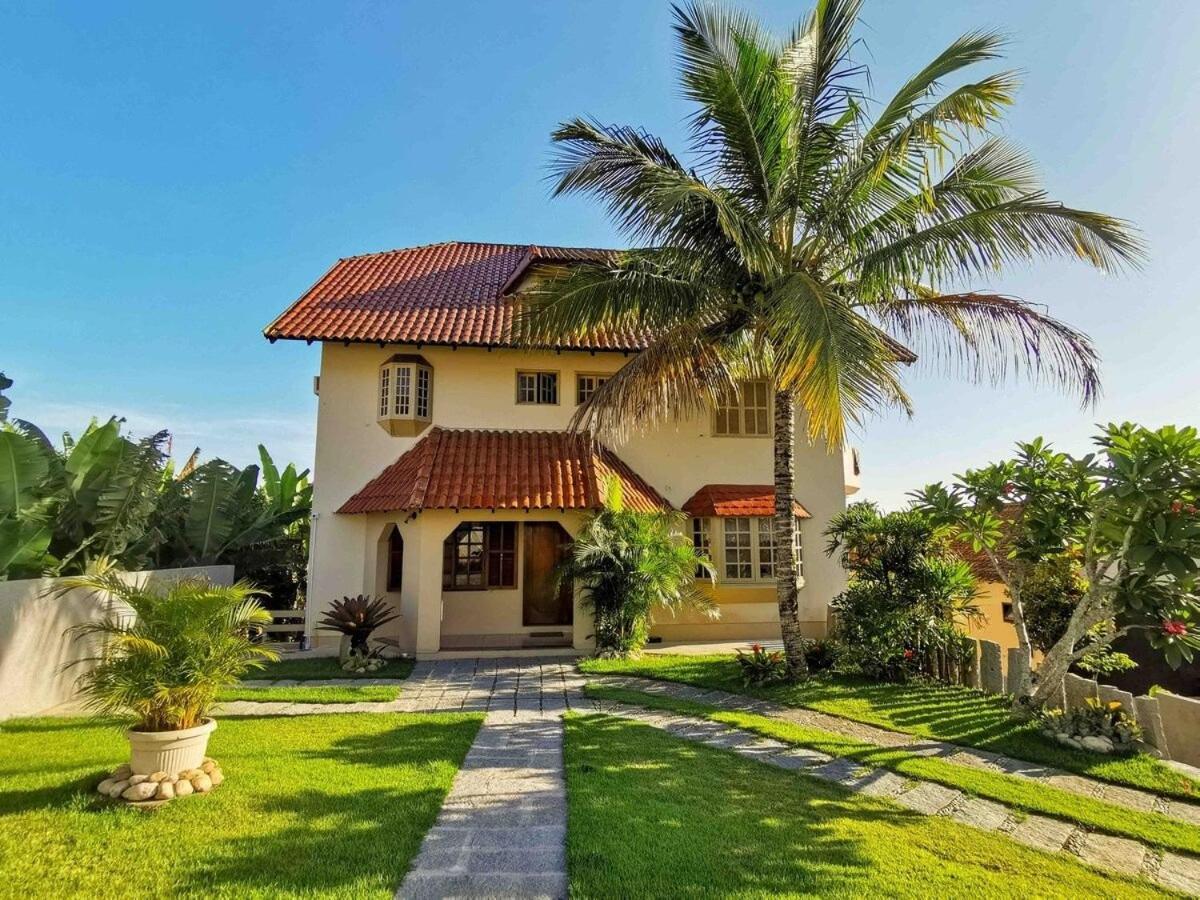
<point x="450" y="293"/>
<point x="724" y="500"/>
<point x="476" y="469"/>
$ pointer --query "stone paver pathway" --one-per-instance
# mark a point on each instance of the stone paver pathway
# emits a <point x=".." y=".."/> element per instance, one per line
<point x="1116" y="854"/>
<point x="1118" y="795"/>
<point x="513" y="685"/>
<point x="502" y="830"/>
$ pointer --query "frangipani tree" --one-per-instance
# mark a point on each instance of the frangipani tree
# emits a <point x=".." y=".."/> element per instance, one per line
<point x="1129" y="512"/>
<point x="809" y="235"/>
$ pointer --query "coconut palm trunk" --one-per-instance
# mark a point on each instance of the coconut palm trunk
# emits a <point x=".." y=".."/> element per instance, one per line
<point x="786" y="563"/>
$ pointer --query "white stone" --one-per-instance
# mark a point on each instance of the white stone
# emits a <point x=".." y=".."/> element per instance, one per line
<point x="138" y="779"/>
<point x="118" y="787"/>
<point x="104" y="786"/>
<point x="215" y="777"/>
<point x="208" y="767"/>
<point x="143" y="790"/>
<point x="164" y="791"/>
<point x="183" y="788"/>
<point x="159" y="776"/>
<point x="123" y="772"/>
<point x="202" y="783"/>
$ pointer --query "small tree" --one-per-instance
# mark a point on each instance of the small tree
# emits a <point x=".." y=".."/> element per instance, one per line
<point x="1129" y="514"/>
<point x="630" y="562"/>
<point x="906" y="590"/>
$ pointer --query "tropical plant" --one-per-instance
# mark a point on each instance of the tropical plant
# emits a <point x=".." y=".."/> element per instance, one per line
<point x="167" y="650"/>
<point x="1129" y="514"/>
<point x="630" y="563"/>
<point x="357" y="617"/>
<point x="761" y="666"/>
<point x="810" y="232"/>
<point x="907" y="595"/>
<point x="106" y="495"/>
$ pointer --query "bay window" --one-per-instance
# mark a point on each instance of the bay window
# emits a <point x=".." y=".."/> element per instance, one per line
<point x="405" y="394"/>
<point x="742" y="548"/>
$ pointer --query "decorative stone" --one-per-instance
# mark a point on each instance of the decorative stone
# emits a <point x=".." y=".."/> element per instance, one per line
<point x="216" y="777"/>
<point x="164" y="791"/>
<point x="208" y="767"/>
<point x="183" y="788"/>
<point x="202" y="783"/>
<point x="117" y="788"/>
<point x="1097" y="744"/>
<point x="123" y="772"/>
<point x="158" y="776"/>
<point x="991" y="672"/>
<point x="143" y="790"/>
<point x="104" y="786"/>
<point x="138" y="779"/>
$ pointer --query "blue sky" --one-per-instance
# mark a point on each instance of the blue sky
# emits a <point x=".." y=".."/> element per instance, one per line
<point x="172" y="178"/>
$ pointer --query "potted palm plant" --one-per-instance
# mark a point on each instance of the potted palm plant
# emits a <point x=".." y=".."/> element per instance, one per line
<point x="165" y="653"/>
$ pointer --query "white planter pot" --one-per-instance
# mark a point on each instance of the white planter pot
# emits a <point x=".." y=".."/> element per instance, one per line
<point x="169" y="751"/>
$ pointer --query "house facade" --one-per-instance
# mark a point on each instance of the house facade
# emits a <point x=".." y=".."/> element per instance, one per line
<point x="447" y="479"/>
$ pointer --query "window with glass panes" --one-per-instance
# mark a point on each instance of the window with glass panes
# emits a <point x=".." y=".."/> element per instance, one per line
<point x="746" y="411"/>
<point x="748" y="548"/>
<point x="537" y="387"/>
<point x="739" y="548"/>
<point x="480" y="555"/>
<point x="586" y="385"/>
<point x="700" y="543"/>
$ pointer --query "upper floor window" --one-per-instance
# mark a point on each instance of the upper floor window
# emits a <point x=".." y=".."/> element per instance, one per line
<point x="480" y="555"/>
<point x="537" y="387"/>
<point x="405" y="398"/>
<point x="586" y="385"/>
<point x="746" y="411"/>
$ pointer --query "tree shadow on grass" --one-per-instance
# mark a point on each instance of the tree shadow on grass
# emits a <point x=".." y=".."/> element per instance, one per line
<point x="682" y="820"/>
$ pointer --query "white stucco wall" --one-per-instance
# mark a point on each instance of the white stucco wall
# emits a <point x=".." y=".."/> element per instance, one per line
<point x="476" y="388"/>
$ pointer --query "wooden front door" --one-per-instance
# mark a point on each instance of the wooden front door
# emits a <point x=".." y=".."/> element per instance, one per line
<point x="545" y="543"/>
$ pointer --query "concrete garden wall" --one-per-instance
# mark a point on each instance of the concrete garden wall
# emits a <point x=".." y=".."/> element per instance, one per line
<point x="34" y="645"/>
<point x="1170" y="723"/>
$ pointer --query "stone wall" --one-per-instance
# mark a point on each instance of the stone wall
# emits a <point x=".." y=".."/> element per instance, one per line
<point x="39" y="659"/>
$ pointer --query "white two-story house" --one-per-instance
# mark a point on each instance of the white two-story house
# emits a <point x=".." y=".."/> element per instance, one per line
<point x="446" y="480"/>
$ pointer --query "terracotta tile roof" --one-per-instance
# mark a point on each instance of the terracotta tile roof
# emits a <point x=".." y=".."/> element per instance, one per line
<point x="979" y="562"/>
<point x="724" y="500"/>
<point x="450" y="293"/>
<point x="477" y="469"/>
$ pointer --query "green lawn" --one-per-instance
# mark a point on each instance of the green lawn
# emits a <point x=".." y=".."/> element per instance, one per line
<point x="312" y="806"/>
<point x="1017" y="793"/>
<point x="945" y="713"/>
<point x="351" y="693"/>
<point x="654" y="816"/>
<point x="318" y="668"/>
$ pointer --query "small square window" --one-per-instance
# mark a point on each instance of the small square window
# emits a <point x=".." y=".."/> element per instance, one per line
<point x="537" y="388"/>
<point x="586" y="386"/>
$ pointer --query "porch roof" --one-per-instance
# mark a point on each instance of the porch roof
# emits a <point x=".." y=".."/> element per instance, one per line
<point x="723" y="500"/>
<point x="453" y="468"/>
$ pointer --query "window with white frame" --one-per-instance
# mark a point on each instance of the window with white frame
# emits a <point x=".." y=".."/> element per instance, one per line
<point x="745" y="411"/>
<point x="747" y="547"/>
<point x="405" y="394"/>
<point x="537" y="388"/>
<point x="700" y="543"/>
<point x="586" y="385"/>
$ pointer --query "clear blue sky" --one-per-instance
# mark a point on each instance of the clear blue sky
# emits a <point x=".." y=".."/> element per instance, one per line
<point x="171" y="178"/>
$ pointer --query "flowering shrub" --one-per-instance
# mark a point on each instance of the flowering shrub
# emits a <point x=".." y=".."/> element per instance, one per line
<point x="820" y="655"/>
<point x="761" y="666"/>
<point x="1100" y="726"/>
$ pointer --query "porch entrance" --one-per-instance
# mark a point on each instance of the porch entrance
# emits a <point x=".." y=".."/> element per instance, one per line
<point x="544" y="603"/>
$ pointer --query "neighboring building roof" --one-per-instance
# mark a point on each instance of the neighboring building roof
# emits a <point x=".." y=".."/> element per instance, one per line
<point x="477" y="469"/>
<point x="724" y="500"/>
<point x="978" y="560"/>
<point x="454" y="293"/>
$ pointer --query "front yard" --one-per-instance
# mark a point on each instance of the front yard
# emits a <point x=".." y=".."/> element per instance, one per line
<point x="957" y="715"/>
<point x="314" y="806"/>
<point x="654" y="816"/>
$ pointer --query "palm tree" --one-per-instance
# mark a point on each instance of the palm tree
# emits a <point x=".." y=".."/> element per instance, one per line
<point x="813" y="236"/>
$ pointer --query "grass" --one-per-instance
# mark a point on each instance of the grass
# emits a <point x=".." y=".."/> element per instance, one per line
<point x="351" y="693"/>
<point x="953" y="714"/>
<point x="312" y="806"/>
<point x="1020" y="794"/>
<point x="654" y="816"/>
<point x="318" y="668"/>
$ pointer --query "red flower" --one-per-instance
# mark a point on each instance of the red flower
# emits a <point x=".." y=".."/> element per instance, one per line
<point x="756" y="648"/>
<point x="1177" y="507"/>
<point x="1174" y="627"/>
<point x="908" y="654"/>
<point x="1009" y="487"/>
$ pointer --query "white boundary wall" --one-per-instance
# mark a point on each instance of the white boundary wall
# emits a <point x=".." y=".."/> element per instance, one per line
<point x="35" y="645"/>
